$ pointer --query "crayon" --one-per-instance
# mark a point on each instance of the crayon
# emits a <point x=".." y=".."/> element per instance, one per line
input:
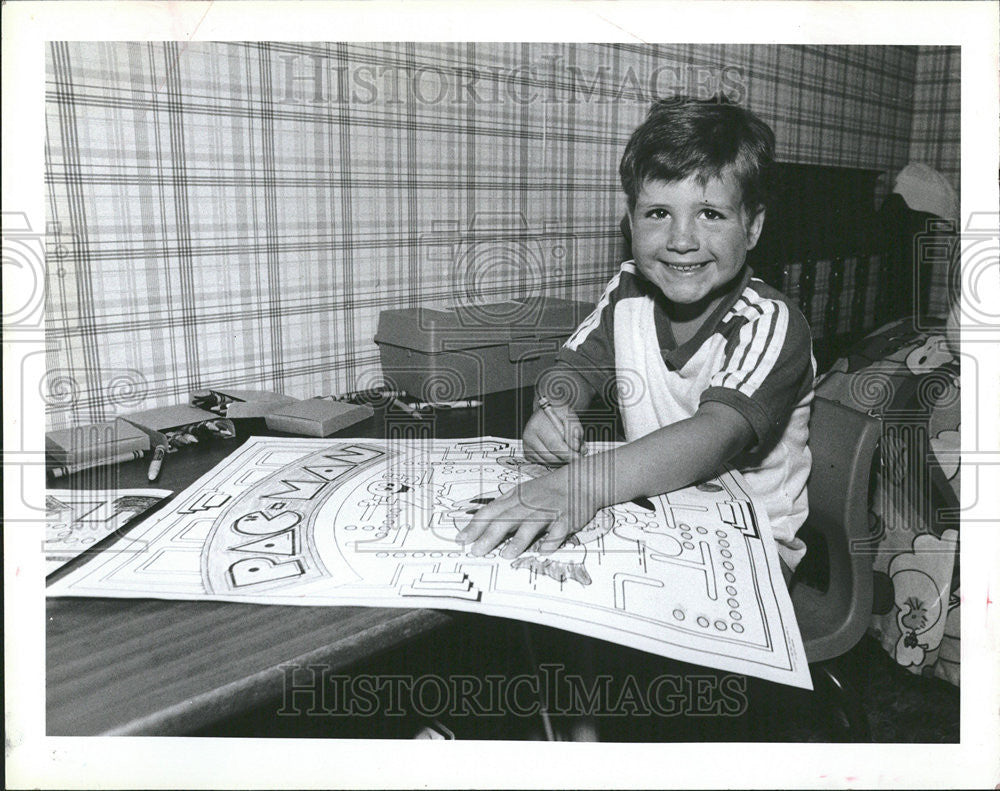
<point x="464" y="404"/>
<point x="157" y="462"/>
<point x="69" y="469"/>
<point x="216" y="427"/>
<point x="403" y="405"/>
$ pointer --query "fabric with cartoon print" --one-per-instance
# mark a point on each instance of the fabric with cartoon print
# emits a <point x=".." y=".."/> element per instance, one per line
<point x="909" y="379"/>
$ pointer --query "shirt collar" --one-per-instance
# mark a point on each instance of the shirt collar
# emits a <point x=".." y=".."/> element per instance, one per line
<point x="677" y="356"/>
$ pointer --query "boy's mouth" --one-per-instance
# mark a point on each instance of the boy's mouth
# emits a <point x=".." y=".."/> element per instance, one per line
<point x="686" y="268"/>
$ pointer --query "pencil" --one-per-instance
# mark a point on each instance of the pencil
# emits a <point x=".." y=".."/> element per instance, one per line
<point x="546" y="407"/>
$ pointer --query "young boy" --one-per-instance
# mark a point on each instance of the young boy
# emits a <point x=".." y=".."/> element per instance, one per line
<point x="711" y="365"/>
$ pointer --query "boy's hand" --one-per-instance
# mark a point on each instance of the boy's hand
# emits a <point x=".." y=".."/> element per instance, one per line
<point x="552" y="507"/>
<point x="553" y="436"/>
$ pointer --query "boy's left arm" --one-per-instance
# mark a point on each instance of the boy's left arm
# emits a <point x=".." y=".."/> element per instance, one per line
<point x="555" y="505"/>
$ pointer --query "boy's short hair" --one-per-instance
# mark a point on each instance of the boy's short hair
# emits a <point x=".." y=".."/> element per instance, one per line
<point x="683" y="137"/>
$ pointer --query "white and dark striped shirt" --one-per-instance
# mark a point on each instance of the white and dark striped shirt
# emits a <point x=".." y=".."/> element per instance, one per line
<point x="753" y="353"/>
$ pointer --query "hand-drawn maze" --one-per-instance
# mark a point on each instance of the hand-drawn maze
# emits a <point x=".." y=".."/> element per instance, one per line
<point x="692" y="574"/>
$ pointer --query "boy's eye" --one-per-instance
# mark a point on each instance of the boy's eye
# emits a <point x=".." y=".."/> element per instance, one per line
<point x="712" y="214"/>
<point x="657" y="214"/>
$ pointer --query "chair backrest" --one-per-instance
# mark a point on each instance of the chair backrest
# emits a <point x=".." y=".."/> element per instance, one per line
<point x="843" y="444"/>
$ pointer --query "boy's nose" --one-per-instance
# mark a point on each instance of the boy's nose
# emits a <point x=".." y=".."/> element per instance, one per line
<point x="682" y="238"/>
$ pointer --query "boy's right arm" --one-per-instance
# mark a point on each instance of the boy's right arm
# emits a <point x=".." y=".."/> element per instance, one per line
<point x="585" y="366"/>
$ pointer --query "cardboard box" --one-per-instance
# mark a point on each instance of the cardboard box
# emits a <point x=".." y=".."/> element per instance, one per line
<point x="447" y="354"/>
<point x="95" y="441"/>
<point x="170" y="417"/>
<point x="234" y="403"/>
<point x="316" y="417"/>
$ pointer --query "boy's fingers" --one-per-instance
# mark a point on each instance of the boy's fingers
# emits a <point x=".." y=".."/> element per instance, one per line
<point x="554" y="538"/>
<point x="549" y="439"/>
<point x="547" y="458"/>
<point x="480" y="521"/>
<point x="569" y="437"/>
<point x="492" y="537"/>
<point x="490" y="525"/>
<point x="549" y="445"/>
<point x="521" y="540"/>
<point x="524" y="523"/>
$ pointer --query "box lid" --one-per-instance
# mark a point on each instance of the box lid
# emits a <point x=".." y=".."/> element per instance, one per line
<point x="94" y="441"/>
<point x="433" y="329"/>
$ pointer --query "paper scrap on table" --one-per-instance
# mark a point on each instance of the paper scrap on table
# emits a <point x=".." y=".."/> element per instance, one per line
<point x="692" y="575"/>
<point x="76" y="520"/>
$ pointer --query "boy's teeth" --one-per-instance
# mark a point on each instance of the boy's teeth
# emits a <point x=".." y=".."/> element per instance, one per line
<point x="686" y="267"/>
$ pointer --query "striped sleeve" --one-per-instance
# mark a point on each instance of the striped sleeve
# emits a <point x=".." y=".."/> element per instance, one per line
<point x="768" y="365"/>
<point x="590" y="350"/>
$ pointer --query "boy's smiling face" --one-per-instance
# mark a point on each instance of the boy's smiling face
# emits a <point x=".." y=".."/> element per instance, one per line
<point x="690" y="239"/>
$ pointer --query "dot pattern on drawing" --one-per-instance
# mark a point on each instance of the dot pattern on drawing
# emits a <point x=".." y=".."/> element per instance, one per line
<point x="685" y="533"/>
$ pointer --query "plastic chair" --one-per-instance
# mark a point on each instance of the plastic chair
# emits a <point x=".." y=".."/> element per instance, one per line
<point x="832" y="621"/>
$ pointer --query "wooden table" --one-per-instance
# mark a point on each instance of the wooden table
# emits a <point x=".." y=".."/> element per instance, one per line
<point x="155" y="667"/>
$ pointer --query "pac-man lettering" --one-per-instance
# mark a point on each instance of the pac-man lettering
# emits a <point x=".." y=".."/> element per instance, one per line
<point x="258" y="523"/>
<point x="254" y="571"/>
<point x="280" y="544"/>
<point x="321" y="469"/>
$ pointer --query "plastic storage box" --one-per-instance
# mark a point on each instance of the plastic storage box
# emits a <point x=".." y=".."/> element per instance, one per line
<point x="447" y="354"/>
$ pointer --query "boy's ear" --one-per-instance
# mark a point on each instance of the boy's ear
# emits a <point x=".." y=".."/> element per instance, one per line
<point x="754" y="227"/>
<point x="626" y="226"/>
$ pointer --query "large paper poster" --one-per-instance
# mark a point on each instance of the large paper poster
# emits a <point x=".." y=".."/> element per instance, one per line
<point x="692" y="575"/>
<point x="77" y="520"/>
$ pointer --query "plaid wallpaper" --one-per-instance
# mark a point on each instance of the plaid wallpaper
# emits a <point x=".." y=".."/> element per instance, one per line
<point x="937" y="112"/>
<point x="934" y="138"/>
<point x="239" y="213"/>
